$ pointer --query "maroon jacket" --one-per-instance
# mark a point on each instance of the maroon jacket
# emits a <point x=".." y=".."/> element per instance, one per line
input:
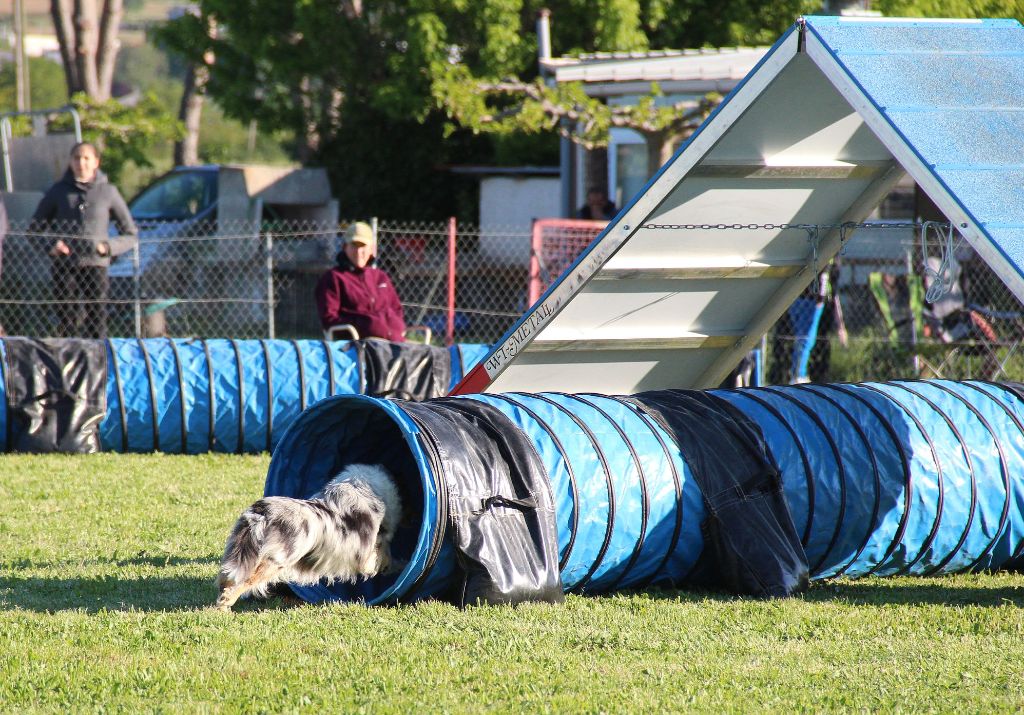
<point x="363" y="297"/>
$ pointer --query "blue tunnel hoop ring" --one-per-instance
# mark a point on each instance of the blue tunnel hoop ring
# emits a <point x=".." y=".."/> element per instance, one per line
<point x="627" y="509"/>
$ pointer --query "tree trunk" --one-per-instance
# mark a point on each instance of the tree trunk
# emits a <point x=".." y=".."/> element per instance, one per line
<point x="22" y="91"/>
<point x="62" y="13"/>
<point x="107" y="47"/>
<point x="86" y="38"/>
<point x="660" y="148"/>
<point x="190" y="113"/>
<point x="308" y="139"/>
<point x="186" y="150"/>
<point x="595" y="170"/>
<point x="353" y="9"/>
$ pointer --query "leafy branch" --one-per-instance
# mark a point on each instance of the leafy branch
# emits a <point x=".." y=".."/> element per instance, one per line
<point x="514" y="105"/>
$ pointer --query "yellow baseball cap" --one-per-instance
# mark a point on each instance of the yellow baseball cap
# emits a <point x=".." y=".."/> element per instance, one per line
<point x="359" y="232"/>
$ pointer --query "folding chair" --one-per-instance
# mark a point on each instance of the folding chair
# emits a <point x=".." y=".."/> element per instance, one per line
<point x="347" y="331"/>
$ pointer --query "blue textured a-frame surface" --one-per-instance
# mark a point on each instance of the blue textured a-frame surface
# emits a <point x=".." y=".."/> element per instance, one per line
<point x="953" y="90"/>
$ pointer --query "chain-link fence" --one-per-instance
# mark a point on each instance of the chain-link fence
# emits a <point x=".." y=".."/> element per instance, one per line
<point x="255" y="280"/>
<point x="901" y="299"/>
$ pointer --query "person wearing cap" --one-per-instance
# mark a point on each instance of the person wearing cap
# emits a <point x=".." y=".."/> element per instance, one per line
<point x="358" y="293"/>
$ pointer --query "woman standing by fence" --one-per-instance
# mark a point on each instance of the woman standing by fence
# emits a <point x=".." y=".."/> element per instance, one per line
<point x="75" y="212"/>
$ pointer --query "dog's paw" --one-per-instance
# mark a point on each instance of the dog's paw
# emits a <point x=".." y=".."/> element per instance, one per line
<point x="223" y="604"/>
<point x="226" y="600"/>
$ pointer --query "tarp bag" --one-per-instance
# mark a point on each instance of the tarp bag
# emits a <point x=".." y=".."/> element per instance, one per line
<point x="750" y="543"/>
<point x="56" y="394"/>
<point x="500" y="506"/>
<point x="408" y="371"/>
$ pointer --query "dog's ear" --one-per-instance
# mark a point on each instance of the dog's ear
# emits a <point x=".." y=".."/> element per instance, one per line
<point x="363" y="522"/>
<point x="257" y="521"/>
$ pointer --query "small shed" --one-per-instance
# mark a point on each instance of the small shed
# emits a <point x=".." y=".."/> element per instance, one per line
<point x="511" y="197"/>
<point x="622" y="78"/>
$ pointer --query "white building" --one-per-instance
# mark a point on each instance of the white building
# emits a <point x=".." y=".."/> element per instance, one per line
<point x="622" y="78"/>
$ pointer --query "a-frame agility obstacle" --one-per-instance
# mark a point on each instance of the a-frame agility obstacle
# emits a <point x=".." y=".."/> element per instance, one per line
<point x="686" y="279"/>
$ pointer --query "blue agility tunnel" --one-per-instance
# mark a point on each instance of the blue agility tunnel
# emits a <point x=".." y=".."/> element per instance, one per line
<point x="914" y="477"/>
<point x="193" y="396"/>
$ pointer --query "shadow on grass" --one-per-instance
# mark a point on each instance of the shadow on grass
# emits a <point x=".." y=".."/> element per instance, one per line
<point x="111" y="593"/>
<point x="139" y="560"/>
<point x="105" y="593"/>
<point x="877" y="592"/>
<point x="114" y="592"/>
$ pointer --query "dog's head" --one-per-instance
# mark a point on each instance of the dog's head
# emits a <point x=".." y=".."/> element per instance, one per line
<point x="379" y="498"/>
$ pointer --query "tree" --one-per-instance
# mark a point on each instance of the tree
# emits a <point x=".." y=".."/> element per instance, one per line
<point x="295" y="65"/>
<point x="502" y="105"/>
<point x="46" y="84"/>
<point x="87" y="34"/>
<point x="190" y="36"/>
<point x="327" y="72"/>
<point x="952" y="8"/>
<point x="565" y="108"/>
<point x="330" y="72"/>
<point x="124" y="134"/>
<point x="700" y="23"/>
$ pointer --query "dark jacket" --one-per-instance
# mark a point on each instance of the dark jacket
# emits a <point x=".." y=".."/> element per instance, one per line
<point x="365" y="298"/>
<point x="608" y="212"/>
<point x="79" y="214"/>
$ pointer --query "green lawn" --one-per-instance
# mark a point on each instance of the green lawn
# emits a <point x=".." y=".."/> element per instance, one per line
<point x="106" y="580"/>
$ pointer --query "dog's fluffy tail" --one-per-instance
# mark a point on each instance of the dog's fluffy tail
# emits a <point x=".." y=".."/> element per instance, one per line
<point x="243" y="550"/>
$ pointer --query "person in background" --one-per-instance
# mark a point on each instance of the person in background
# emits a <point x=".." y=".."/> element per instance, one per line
<point x="598" y="207"/>
<point x="75" y="213"/>
<point x="357" y="293"/>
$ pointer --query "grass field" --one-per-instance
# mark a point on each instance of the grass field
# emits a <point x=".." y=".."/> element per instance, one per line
<point x="106" y="580"/>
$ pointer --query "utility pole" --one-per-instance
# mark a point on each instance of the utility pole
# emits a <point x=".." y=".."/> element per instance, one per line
<point x="21" y="75"/>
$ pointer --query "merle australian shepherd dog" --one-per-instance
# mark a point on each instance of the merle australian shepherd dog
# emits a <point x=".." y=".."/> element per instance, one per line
<point x="343" y="533"/>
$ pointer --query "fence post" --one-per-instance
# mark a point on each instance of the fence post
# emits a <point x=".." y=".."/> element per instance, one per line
<point x="916" y="365"/>
<point x="452" y="232"/>
<point x="759" y="371"/>
<point x="535" y="249"/>
<point x="268" y="242"/>
<point x="137" y="288"/>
